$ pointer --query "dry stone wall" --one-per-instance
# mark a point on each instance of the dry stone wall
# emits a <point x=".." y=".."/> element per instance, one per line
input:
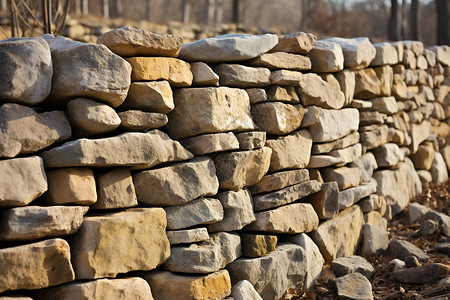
<point x="231" y="167"/>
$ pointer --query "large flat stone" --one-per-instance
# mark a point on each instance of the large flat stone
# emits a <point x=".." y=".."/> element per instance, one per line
<point x="282" y="60"/>
<point x="187" y="236"/>
<point x="136" y="150"/>
<point x="104" y="247"/>
<point x="234" y="75"/>
<point x="345" y="177"/>
<point x="344" y="142"/>
<point x="277" y="118"/>
<point x="358" y="52"/>
<point x="352" y="195"/>
<point x="137" y="120"/>
<point x="316" y="91"/>
<point x="326" y="57"/>
<point x="209" y="110"/>
<point x="332" y="125"/>
<point x="298" y="42"/>
<point x="209" y="143"/>
<point x="151" y="96"/>
<point x="279" y="180"/>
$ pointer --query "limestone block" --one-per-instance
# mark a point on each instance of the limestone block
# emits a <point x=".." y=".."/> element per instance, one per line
<point x="285" y="77"/>
<point x="439" y="169"/>
<point x="419" y="133"/>
<point x="375" y="240"/>
<point x="386" y="76"/>
<point x="187" y="236"/>
<point x="282" y="60"/>
<point x="257" y="245"/>
<point x="371" y="117"/>
<point x="388" y="155"/>
<point x="279" y="180"/>
<point x="409" y="59"/>
<point x="344" y="142"/>
<point x="326" y="57"/>
<point x="209" y="143"/>
<point x="153" y="96"/>
<point x="354" y="286"/>
<point x="415" y="46"/>
<point x="277" y="118"/>
<point x="358" y="52"/>
<point x="257" y="95"/>
<point x="299" y="42"/>
<point x="326" y="201"/>
<point x="203" y="75"/>
<point x="367" y="164"/>
<point x="321" y="161"/>
<point x="386" y="54"/>
<point x="367" y="84"/>
<point x="442" y="54"/>
<point x="373" y="137"/>
<point x="385" y="105"/>
<point x="334" y="124"/>
<point x="347" y="155"/>
<point x="315" y="91"/>
<point x="347" y="82"/>
<point x="350" y="196"/>
<point x="345" y="177"/>
<point x="244" y="290"/>
<point x="282" y="94"/>
<point x="251" y="140"/>
<point x="234" y="75"/>
<point x="136" y="120"/>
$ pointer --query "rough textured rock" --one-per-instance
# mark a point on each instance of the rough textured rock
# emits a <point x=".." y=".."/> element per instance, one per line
<point x="424" y="157"/>
<point x="321" y="161"/>
<point x="26" y="70"/>
<point x="136" y="150"/>
<point x="354" y="286"/>
<point x="124" y="288"/>
<point x="238" y="211"/>
<point x="334" y="124"/>
<point x="299" y="42"/>
<point x="419" y="133"/>
<point x="209" y="110"/>
<point x="22" y="180"/>
<point x="345" y="177"/>
<point x="439" y="169"/>
<point x="87" y="70"/>
<point x="339" y="237"/>
<point x="402" y="249"/>
<point x="228" y="48"/>
<point x="442" y="219"/>
<point x="386" y="54"/>
<point x="290" y="219"/>
<point x="272" y="274"/>
<point x="353" y="264"/>
<point x="346" y="141"/>
<point x="257" y="95"/>
<point x="166" y="285"/>
<point x="36" y="265"/>
<point x="196" y="212"/>
<point x="358" y="52"/>
<point x="187" y="236"/>
<point x="234" y="75"/>
<point x="251" y="140"/>
<point x="367" y="84"/>
<point x="421" y="275"/>
<point x="115" y="189"/>
<point x="385" y="105"/>
<point x="257" y="245"/>
<point x="315" y="91"/>
<point x="375" y="240"/>
<point x="326" y="201"/>
<point x="34" y="222"/>
<point x="285" y="77"/>
<point x="352" y="195"/>
<point x="203" y="75"/>
<point x="153" y="96"/>
<point x="136" y="120"/>
<point x="347" y="83"/>
<point x="277" y="118"/>
<point x="291" y="151"/>
<point x="177" y="184"/>
<point x="374" y="136"/>
<point x="209" y="143"/>
<point x="71" y="186"/>
<point x="286" y="94"/>
<point x="388" y="155"/>
<point x="104" y="247"/>
<point x="244" y="290"/>
<point x="239" y="169"/>
<point x="206" y="257"/>
<point x="347" y="155"/>
<point x="128" y="41"/>
<point x="25" y="131"/>
<point x="416" y="211"/>
<point x="282" y="60"/>
<point x="279" y="180"/>
<point x="326" y="57"/>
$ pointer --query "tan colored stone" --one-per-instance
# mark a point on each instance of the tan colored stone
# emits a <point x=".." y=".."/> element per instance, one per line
<point x="285" y="77"/>
<point x="386" y="77"/>
<point x="388" y="155"/>
<point x="187" y="236"/>
<point x="234" y="75"/>
<point x="257" y="245"/>
<point x="71" y="186"/>
<point x="326" y="57"/>
<point x="315" y="91"/>
<point x="277" y="118"/>
<point x="419" y="133"/>
<point x="251" y="140"/>
<point x="346" y="141"/>
<point x="155" y="96"/>
<point x="367" y="84"/>
<point x="282" y="60"/>
<point x="334" y="124"/>
<point x="345" y="177"/>
<point x="279" y="180"/>
<point x="209" y="143"/>
<point x="257" y="95"/>
<point x="347" y="83"/>
<point x="282" y="94"/>
<point x="347" y="155"/>
<point x="326" y="201"/>
<point x="358" y="52"/>
<point x="203" y="75"/>
<point x="385" y="105"/>
<point x="321" y="161"/>
<point x="299" y="42"/>
<point x="375" y="137"/>
<point x="176" y="72"/>
<point x="386" y="54"/>
<point x="409" y="59"/>
<point x="136" y="120"/>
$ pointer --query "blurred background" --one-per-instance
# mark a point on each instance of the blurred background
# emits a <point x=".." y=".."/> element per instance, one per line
<point x="85" y="20"/>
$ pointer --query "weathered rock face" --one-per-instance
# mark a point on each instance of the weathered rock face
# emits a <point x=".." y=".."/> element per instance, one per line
<point x="187" y="236"/>
<point x="352" y="195"/>
<point x="36" y="265"/>
<point x="346" y="141"/>
<point x="244" y="290"/>
<point x="388" y="155"/>
<point x="358" y="52"/>
<point x="228" y="48"/>
<point x="166" y="285"/>
<point x="251" y="140"/>
<point x="25" y="131"/>
<point x="209" y="110"/>
<point x="326" y="201"/>
<point x="272" y="274"/>
<point x="354" y="286"/>
<point x="128" y="41"/>
<point x="386" y="54"/>
<point x="375" y="240"/>
<point x="86" y="70"/>
<point x="177" y="184"/>
<point x="153" y="96"/>
<point x="285" y="77"/>
<point x="344" y="176"/>
<point x="282" y="60"/>
<point x="315" y="91"/>
<point x="299" y="42"/>
<point x="283" y="94"/>
<point x="209" y="143"/>
<point x="367" y="84"/>
<point x="203" y="75"/>
<point x="279" y="180"/>
<point x="326" y="57"/>
<point x="104" y="247"/>
<point x="136" y="120"/>
<point x="277" y="118"/>
<point x="22" y="180"/>
<point x="234" y="75"/>
<point x="34" y="222"/>
<point x="334" y="124"/>
<point x="26" y="70"/>
<point x="257" y="245"/>
<point x="353" y="264"/>
<point x="136" y="150"/>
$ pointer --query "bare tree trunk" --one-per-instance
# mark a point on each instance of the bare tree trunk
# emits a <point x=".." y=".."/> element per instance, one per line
<point x="209" y="12"/>
<point x="305" y="6"/>
<point x="443" y="37"/>
<point x="77" y="7"/>
<point x="3" y="5"/>
<point x="15" y="29"/>
<point x="404" y="29"/>
<point x="148" y="9"/>
<point x="394" y="22"/>
<point x="118" y="8"/>
<point x="219" y="15"/>
<point x="236" y="14"/>
<point x="105" y="9"/>
<point x="186" y="12"/>
<point x="47" y="15"/>
<point x="85" y="7"/>
<point x="416" y="31"/>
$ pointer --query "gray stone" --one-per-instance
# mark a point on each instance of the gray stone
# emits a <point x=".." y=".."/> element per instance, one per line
<point x="279" y="180"/>
<point x="244" y="290"/>
<point x="203" y="75"/>
<point x="445" y="281"/>
<point x="277" y="118"/>
<point x="354" y="286"/>
<point x="326" y="57"/>
<point x="228" y="48"/>
<point x="282" y="60"/>
<point x="443" y="219"/>
<point x="439" y="169"/>
<point x="416" y="211"/>
<point x="234" y="75"/>
<point x="344" y="142"/>
<point x="251" y="140"/>
<point x="352" y="195"/>
<point x="326" y="201"/>
<point x="334" y="124"/>
<point x="315" y="91"/>
<point x="411" y="262"/>
<point x="402" y="249"/>
<point x="353" y="264"/>
<point x="209" y="143"/>
<point x="187" y="236"/>
<point x="375" y="240"/>
<point x="421" y="275"/>
<point x="358" y="52"/>
<point x="388" y="155"/>
<point x="367" y="164"/>
<point x="153" y="96"/>
<point x="136" y="120"/>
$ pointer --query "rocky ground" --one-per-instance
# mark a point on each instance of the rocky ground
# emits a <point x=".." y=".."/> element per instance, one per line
<point x="384" y="286"/>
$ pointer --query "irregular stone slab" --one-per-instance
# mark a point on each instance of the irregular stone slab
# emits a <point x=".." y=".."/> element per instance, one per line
<point x="347" y="155"/>
<point x="354" y="286"/>
<point x="326" y="201"/>
<point x="177" y="184"/>
<point x="136" y="120"/>
<point x="439" y="169"/>
<point x="345" y="177"/>
<point x="238" y="211"/>
<point x="257" y="95"/>
<point x="402" y="249"/>
<point x="228" y="48"/>
<point x="128" y="41"/>
<point x="209" y="143"/>
<point x="374" y="136"/>
<point x="299" y="42"/>
<point x="272" y="274"/>
<point x="385" y="105"/>
<point x="22" y="180"/>
<point x="115" y="189"/>
<point x="352" y="195"/>
<point x="251" y="140"/>
<point x="442" y="219"/>
<point x="419" y="133"/>
<point x="326" y="57"/>
<point x="203" y="75"/>
<point x="416" y="211"/>
<point x="234" y="75"/>
<point x="209" y="110"/>
<point x="339" y="237"/>
<point x="321" y="161"/>
<point x="136" y="150"/>
<point x="176" y="72"/>
<point x="358" y="52"/>
<point x="334" y="124"/>
<point x="388" y="155"/>
<point x="104" y="247"/>
<point x="282" y="60"/>
<point x="291" y="151"/>
<point x="386" y="54"/>
<point x="244" y="290"/>
<point x="277" y="118"/>
<point x="442" y="54"/>
<point x="206" y="257"/>
<point x="239" y="169"/>
<point x="36" y="265"/>
<point x="353" y="264"/>
<point x="166" y="285"/>
<point x="196" y="212"/>
<point x="371" y="117"/>
<point x="25" y="131"/>
<point x="386" y="76"/>
<point x="346" y="141"/>
<point x="26" y="70"/>
<point x="315" y="91"/>
<point x="373" y="203"/>
<point x="347" y="83"/>
<point x="421" y="275"/>
<point x="442" y="247"/>
<point x="282" y="94"/>
<point x="257" y="245"/>
<point x="375" y="240"/>
<point x="279" y="180"/>
<point x="367" y="84"/>
<point x="87" y="70"/>
<point x="285" y="77"/>
<point x="187" y="236"/>
<point x="288" y="219"/>
<point x="286" y="195"/>
<point x="398" y="186"/>
<point x="71" y="186"/>
<point x="89" y="117"/>
<point x="409" y="59"/>
<point x="154" y="96"/>
<point x="125" y="288"/>
<point x="34" y="222"/>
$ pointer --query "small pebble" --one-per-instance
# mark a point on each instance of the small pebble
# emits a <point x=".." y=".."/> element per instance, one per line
<point x="411" y="262"/>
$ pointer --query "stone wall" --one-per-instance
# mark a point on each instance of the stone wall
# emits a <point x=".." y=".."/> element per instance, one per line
<point x="132" y="170"/>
